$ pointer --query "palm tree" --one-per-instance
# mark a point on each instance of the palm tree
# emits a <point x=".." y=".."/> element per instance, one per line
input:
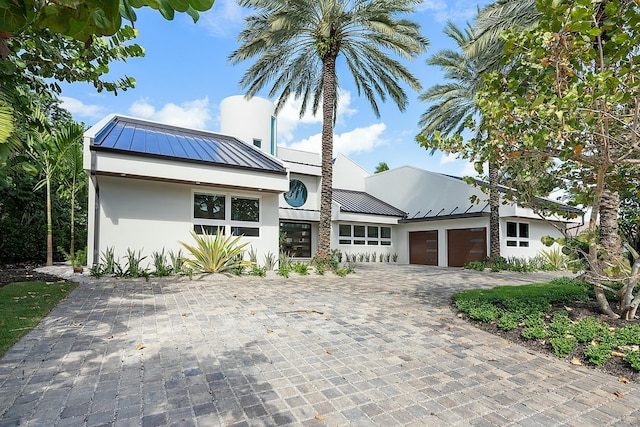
<point x="297" y="44"/>
<point x="453" y="104"/>
<point x="69" y="138"/>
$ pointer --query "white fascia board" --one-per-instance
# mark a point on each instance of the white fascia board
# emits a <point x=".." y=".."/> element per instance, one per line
<point x="299" y="215"/>
<point x="162" y="169"/>
<point x="302" y="168"/>
<point x="366" y="218"/>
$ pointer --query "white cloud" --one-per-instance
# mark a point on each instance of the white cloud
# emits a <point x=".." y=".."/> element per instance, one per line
<point x="225" y="19"/>
<point x="458" y="11"/>
<point x="355" y="141"/>
<point x="289" y="115"/>
<point x="191" y="114"/>
<point x="470" y="170"/>
<point x="448" y="158"/>
<point x="80" y="109"/>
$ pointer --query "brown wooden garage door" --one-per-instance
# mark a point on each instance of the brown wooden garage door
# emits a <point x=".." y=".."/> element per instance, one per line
<point x="423" y="247"/>
<point x="466" y="245"/>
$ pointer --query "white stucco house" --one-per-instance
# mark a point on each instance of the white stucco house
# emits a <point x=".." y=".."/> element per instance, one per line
<point x="151" y="183"/>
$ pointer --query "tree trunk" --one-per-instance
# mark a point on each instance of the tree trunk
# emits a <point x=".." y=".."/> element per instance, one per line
<point x="326" y="194"/>
<point x="494" y="218"/>
<point x="49" y="226"/>
<point x="609" y="236"/>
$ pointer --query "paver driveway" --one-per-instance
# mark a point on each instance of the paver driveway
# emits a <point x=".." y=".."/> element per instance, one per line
<point x="376" y="348"/>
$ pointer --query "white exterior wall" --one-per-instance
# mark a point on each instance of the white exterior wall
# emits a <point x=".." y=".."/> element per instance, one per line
<point x="537" y="229"/>
<point x="148" y="215"/>
<point x="401" y="242"/>
<point x="313" y="192"/>
<point x="249" y="119"/>
<point x="415" y="190"/>
<point x="348" y="175"/>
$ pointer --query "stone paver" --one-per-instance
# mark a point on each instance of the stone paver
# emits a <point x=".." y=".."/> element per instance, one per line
<point x="379" y="347"/>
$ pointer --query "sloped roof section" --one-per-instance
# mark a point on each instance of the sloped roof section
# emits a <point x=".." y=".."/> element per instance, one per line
<point x="148" y="139"/>
<point x="364" y="203"/>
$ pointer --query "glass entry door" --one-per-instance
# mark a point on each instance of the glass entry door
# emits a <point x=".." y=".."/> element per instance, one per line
<point x="295" y="239"/>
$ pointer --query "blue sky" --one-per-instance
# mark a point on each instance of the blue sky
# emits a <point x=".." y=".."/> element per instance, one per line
<point x="185" y="74"/>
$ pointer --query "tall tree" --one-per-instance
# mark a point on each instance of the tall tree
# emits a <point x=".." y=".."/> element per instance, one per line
<point x="382" y="166"/>
<point x="73" y="179"/>
<point x="571" y="98"/>
<point x="297" y="45"/>
<point x="453" y="105"/>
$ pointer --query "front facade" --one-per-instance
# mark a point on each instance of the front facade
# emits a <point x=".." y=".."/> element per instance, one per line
<point x="151" y="184"/>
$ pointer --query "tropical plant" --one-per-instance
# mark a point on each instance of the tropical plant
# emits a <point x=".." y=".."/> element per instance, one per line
<point x="72" y="173"/>
<point x="297" y="44"/>
<point x="160" y="264"/>
<point x="215" y="254"/>
<point x="83" y="19"/>
<point x="270" y="261"/>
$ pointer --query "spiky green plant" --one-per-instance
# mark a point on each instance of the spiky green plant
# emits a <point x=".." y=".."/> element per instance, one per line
<point x="215" y="254"/>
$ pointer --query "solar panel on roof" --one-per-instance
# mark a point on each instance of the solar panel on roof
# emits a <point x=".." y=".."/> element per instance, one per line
<point x="138" y="137"/>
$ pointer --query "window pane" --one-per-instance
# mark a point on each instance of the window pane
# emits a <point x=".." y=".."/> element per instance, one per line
<point x="512" y="229"/>
<point x="512" y="243"/>
<point x="208" y="206"/>
<point x="358" y="242"/>
<point x="345" y="230"/>
<point x="385" y="232"/>
<point x="524" y="244"/>
<point x="345" y="242"/>
<point x="358" y="230"/>
<point x="385" y="242"/>
<point x="372" y="243"/>
<point x="247" y="231"/>
<point x="211" y="230"/>
<point x="245" y="209"/>
<point x="372" y="232"/>
<point x="524" y="230"/>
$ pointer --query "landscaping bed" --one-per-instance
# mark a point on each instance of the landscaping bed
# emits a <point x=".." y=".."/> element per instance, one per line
<point x="24" y="273"/>
<point x="600" y="342"/>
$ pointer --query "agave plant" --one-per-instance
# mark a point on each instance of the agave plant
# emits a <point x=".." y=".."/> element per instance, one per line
<point x="215" y="254"/>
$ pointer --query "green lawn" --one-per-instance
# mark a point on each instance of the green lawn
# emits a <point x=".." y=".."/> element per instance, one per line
<point x="23" y="305"/>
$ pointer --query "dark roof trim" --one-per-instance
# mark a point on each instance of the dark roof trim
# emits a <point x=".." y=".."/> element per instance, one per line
<point x="445" y="217"/>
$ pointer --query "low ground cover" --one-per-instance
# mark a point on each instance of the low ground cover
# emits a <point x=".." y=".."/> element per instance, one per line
<point x="24" y="304"/>
<point x="560" y="317"/>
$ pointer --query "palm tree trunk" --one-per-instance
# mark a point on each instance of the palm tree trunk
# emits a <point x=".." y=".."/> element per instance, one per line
<point x="49" y="226"/>
<point x="494" y="216"/>
<point x="72" y="243"/>
<point x="326" y="193"/>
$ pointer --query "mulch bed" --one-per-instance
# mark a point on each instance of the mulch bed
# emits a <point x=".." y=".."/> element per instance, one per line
<point x="615" y="366"/>
<point x="24" y="273"/>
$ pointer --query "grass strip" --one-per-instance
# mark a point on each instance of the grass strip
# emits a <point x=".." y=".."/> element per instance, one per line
<point x="24" y="304"/>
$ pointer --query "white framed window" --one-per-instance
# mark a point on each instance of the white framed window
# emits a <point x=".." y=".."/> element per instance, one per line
<point x="517" y="234"/>
<point x="233" y="214"/>
<point x="369" y="235"/>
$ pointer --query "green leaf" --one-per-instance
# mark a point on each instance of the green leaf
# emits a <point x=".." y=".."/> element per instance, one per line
<point x="202" y="5"/>
<point x="12" y="16"/>
<point x="179" y="5"/>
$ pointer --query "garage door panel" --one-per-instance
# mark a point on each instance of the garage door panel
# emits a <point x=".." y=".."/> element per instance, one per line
<point x="423" y="247"/>
<point x="466" y="245"/>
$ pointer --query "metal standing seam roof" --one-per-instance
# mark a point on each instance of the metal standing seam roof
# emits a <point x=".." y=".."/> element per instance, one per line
<point x="364" y="203"/>
<point x="147" y="139"/>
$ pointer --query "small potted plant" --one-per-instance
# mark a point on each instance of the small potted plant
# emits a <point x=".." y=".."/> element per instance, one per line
<point x="77" y="260"/>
